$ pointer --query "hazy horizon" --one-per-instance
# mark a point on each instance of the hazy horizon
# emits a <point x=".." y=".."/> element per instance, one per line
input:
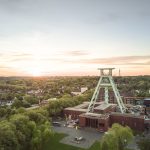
<point x="74" y="37"/>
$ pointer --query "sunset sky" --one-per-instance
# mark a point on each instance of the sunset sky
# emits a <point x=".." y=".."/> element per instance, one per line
<point x="74" y="37"/>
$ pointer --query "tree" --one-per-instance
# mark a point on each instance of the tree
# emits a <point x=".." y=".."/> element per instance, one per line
<point x="21" y="110"/>
<point x="17" y="103"/>
<point x="24" y="129"/>
<point x="109" y="141"/>
<point x="41" y="135"/>
<point x="104" y="146"/>
<point x="3" y="112"/>
<point x="8" y="139"/>
<point x="46" y="131"/>
<point x="117" y="138"/>
<point x="30" y="99"/>
<point x="39" y="116"/>
<point x="36" y="142"/>
<point x="25" y="104"/>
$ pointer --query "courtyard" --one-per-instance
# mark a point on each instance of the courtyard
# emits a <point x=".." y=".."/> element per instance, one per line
<point x="89" y="136"/>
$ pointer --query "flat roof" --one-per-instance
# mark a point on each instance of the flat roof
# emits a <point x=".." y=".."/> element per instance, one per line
<point x="83" y="105"/>
<point x="103" y="106"/>
<point x="146" y="99"/>
<point x="127" y="114"/>
<point x="95" y="115"/>
<point x="75" y="109"/>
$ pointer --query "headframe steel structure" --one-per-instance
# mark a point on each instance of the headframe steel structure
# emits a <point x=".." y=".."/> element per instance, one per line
<point x="106" y="81"/>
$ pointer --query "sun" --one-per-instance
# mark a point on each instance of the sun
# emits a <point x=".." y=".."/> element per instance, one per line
<point x="35" y="72"/>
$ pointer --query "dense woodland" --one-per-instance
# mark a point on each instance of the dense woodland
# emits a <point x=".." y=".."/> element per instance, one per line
<point x="22" y="129"/>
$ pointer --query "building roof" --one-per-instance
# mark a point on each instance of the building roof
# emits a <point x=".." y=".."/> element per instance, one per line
<point x="75" y="109"/>
<point x="95" y="115"/>
<point x="147" y="99"/>
<point x="127" y="114"/>
<point x="83" y="105"/>
<point x="103" y="106"/>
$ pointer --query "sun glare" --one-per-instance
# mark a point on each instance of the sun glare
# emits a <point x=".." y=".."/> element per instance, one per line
<point x="35" y="72"/>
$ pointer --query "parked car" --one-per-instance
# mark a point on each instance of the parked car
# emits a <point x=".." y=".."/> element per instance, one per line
<point x="56" y="124"/>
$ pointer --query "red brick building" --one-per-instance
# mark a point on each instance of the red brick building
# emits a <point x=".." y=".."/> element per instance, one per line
<point x="103" y="116"/>
<point x="93" y="120"/>
<point x="133" y="121"/>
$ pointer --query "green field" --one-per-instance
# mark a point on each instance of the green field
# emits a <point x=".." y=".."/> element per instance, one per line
<point x="54" y="144"/>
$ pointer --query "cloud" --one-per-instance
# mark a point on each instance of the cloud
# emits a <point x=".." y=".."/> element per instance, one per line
<point x="4" y="67"/>
<point x="105" y="18"/>
<point x="14" y="56"/>
<point x="21" y="54"/>
<point x="122" y="60"/>
<point x="76" y="53"/>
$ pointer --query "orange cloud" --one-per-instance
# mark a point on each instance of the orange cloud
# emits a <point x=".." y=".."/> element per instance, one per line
<point x="122" y="60"/>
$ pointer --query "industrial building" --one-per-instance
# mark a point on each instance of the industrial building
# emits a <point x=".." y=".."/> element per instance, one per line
<point x="102" y="114"/>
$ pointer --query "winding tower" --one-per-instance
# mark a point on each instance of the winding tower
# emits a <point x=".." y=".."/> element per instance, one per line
<point x="106" y="82"/>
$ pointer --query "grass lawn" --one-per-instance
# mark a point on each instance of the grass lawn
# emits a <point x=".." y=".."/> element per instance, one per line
<point x="53" y="144"/>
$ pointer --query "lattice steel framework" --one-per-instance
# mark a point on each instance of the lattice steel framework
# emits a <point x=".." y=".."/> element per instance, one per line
<point x="106" y="81"/>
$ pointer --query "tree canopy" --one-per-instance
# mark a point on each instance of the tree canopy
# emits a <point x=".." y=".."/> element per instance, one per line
<point x="116" y="138"/>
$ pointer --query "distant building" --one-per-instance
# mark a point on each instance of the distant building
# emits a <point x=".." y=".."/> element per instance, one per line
<point x="147" y="102"/>
<point x="82" y="90"/>
<point x="6" y="103"/>
<point x="44" y="102"/>
<point x="34" y="92"/>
